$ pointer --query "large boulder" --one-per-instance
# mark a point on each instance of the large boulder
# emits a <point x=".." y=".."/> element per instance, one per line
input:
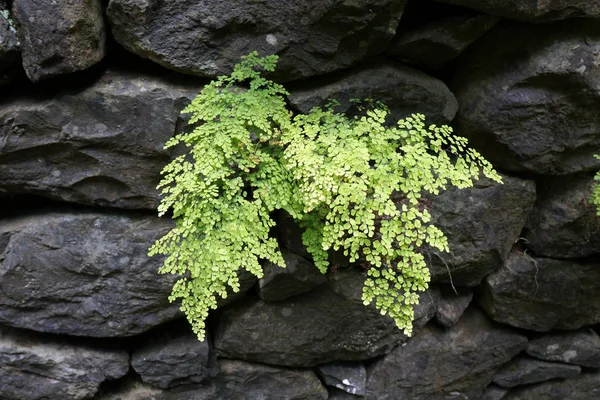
<point x="533" y="11"/>
<point x="438" y="363"/>
<point x="327" y="324"/>
<point x="83" y="273"/>
<point x="541" y="294"/>
<point x="208" y="37"/>
<point x="528" y="96"/>
<point x="59" y="37"/>
<point x="481" y="224"/>
<point x="36" y="367"/>
<point x="563" y="223"/>
<point x="584" y="387"/>
<point x="102" y="145"/>
<point x="403" y="89"/>
<point x="10" y="51"/>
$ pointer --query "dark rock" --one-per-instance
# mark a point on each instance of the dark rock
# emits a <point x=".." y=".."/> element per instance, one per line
<point x="327" y="324"/>
<point x="208" y="38"/>
<point x="84" y="274"/>
<point x="580" y="348"/>
<point x="59" y="37"/>
<point x="584" y="387"/>
<point x="246" y="381"/>
<point x="450" y="305"/>
<point x="289" y="235"/>
<point x="297" y="277"/>
<point x="438" y="363"/>
<point x="541" y="294"/>
<point x="522" y="371"/>
<point x="36" y="367"/>
<point x="349" y="377"/>
<point x="434" y="44"/>
<point x="481" y="224"/>
<point x="563" y="223"/>
<point x="102" y="145"/>
<point x="493" y="392"/>
<point x="533" y="11"/>
<point x="175" y="360"/>
<point x="381" y="81"/>
<point x="134" y="390"/>
<point x="10" y="54"/>
<point x="532" y="107"/>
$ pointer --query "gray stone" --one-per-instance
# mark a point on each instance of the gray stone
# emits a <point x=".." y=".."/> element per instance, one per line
<point x="10" y="51"/>
<point x="36" y="367"/>
<point x="522" y="371"/>
<point x="432" y="45"/>
<point x="83" y="273"/>
<point x="541" y="294"/>
<point x="532" y="107"/>
<point x="207" y="38"/>
<point x="563" y="224"/>
<point x="584" y="387"/>
<point x="481" y="224"/>
<point x="297" y="277"/>
<point x="403" y="89"/>
<point x="59" y="37"/>
<point x="336" y="394"/>
<point x="133" y="390"/>
<point x="247" y="381"/>
<point x="451" y="305"/>
<point x="175" y="360"/>
<point x="493" y="392"/>
<point x="349" y="377"/>
<point x="437" y="363"/>
<point x="533" y="11"/>
<point x="580" y="348"/>
<point x="327" y="324"/>
<point x="102" y="145"/>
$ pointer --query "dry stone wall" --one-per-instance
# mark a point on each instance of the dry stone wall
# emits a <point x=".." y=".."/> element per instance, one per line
<point x="91" y="90"/>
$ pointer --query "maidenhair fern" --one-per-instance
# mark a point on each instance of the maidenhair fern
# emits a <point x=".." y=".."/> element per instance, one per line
<point x="353" y="184"/>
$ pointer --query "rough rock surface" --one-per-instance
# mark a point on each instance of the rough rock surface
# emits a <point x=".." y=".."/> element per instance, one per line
<point x="349" y="377"/>
<point x="175" y="360"/>
<point x="530" y="293"/>
<point x="584" y="387"/>
<point x="83" y="273"/>
<point x="36" y="367"/>
<point x="481" y="224"/>
<point x="208" y="37"/>
<point x="134" y="390"/>
<point x="247" y="381"/>
<point x="580" y="348"/>
<point x="102" y="145"/>
<point x="563" y="224"/>
<point x="451" y="305"/>
<point x="299" y="276"/>
<point x="432" y="45"/>
<point x="59" y="37"/>
<point x="532" y="107"/>
<point x="10" y="54"/>
<point x="494" y="392"/>
<point x="382" y="81"/>
<point x="327" y="324"/>
<point x="522" y="371"/>
<point x="533" y="11"/>
<point x="437" y="363"/>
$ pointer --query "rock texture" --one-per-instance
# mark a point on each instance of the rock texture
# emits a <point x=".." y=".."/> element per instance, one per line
<point x="563" y="223"/>
<point x="330" y="323"/>
<point x="59" y="37"/>
<point x="584" y="387"/>
<point x="434" y="44"/>
<point x="533" y="107"/>
<point x="349" y="377"/>
<point x="530" y="293"/>
<point x="579" y="348"/>
<point x="10" y="54"/>
<point x="102" y="145"/>
<point x="83" y="273"/>
<point x="533" y="11"/>
<point x="481" y="224"/>
<point x="208" y="37"/>
<point x="522" y="371"/>
<point x="381" y="80"/>
<point x="35" y="367"/>
<point x="451" y="305"/>
<point x="175" y="360"/>
<point x="438" y="363"/>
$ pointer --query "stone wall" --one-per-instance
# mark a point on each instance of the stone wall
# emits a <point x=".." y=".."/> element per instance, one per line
<point x="91" y="90"/>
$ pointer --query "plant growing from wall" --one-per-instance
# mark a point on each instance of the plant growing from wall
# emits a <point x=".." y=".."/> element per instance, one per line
<point x="595" y="196"/>
<point x="354" y="184"/>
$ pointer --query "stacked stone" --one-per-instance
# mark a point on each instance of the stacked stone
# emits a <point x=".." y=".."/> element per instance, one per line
<point x="92" y="90"/>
